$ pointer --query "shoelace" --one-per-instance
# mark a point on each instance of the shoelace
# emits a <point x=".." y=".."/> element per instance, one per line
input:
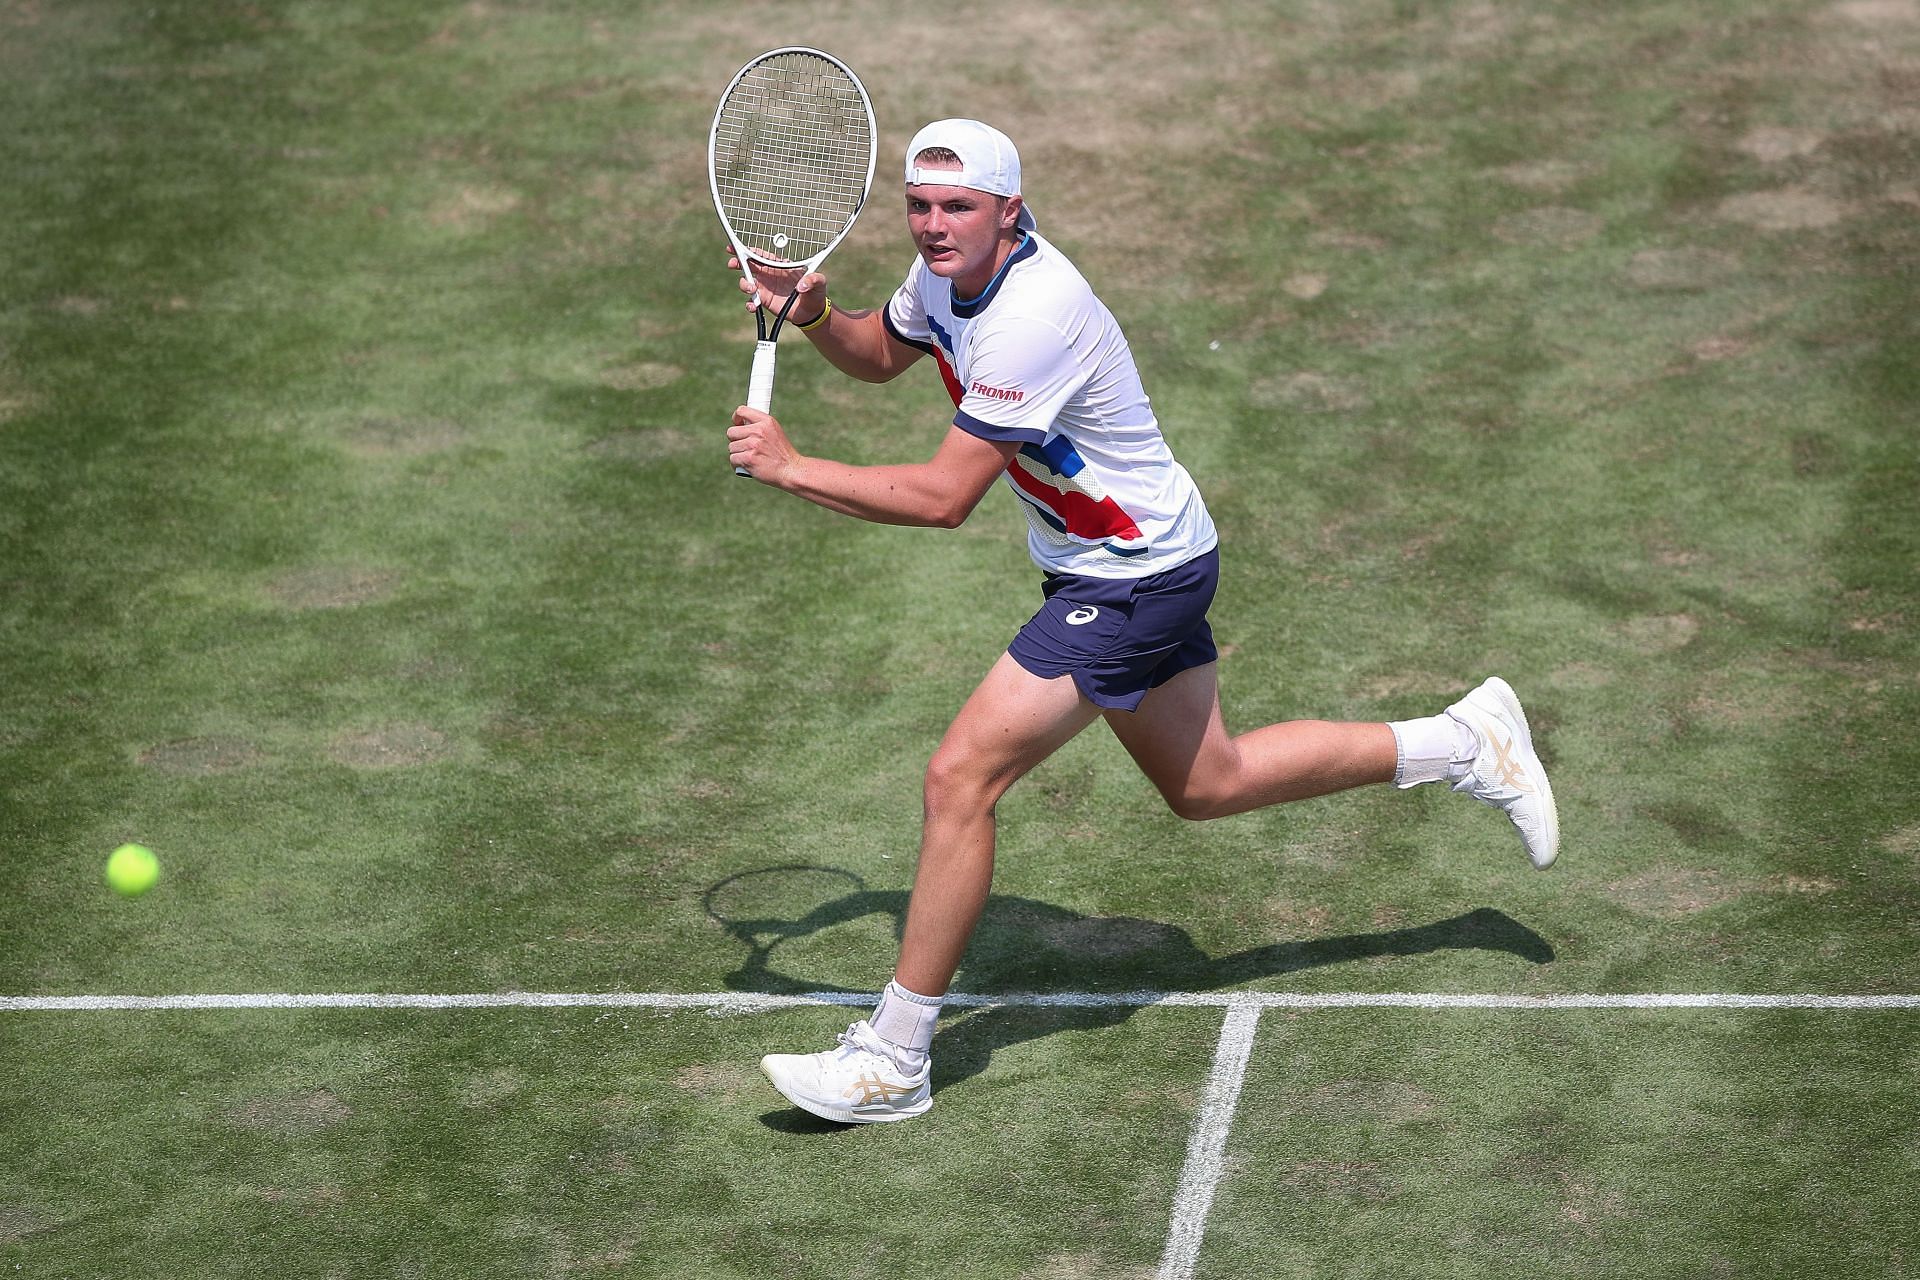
<point x="861" y="1038"/>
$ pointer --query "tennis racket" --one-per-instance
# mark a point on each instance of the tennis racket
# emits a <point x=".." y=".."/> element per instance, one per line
<point x="790" y="159"/>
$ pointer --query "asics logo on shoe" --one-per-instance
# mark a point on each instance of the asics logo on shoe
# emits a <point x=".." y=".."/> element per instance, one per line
<point x="1082" y="616"/>
<point x="869" y="1089"/>
<point x="1509" y="770"/>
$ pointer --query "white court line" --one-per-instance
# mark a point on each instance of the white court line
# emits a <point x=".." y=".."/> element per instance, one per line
<point x="1207" y="1148"/>
<point x="749" y="1002"/>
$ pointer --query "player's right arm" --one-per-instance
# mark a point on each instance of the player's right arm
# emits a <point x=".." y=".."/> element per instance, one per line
<point x="856" y="342"/>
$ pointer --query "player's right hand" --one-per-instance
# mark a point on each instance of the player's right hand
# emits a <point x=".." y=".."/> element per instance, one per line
<point x="757" y="445"/>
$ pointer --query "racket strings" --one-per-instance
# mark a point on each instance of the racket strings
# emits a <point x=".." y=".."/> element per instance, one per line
<point x="793" y="151"/>
<point x="789" y="188"/>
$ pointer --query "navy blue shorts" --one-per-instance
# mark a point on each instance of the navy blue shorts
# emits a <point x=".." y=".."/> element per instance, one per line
<point x="1120" y="637"/>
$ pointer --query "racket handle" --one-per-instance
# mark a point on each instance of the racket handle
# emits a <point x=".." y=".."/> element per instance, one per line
<point x="760" y="385"/>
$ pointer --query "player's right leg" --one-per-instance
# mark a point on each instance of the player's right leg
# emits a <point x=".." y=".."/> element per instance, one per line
<point x="880" y="1069"/>
<point x="1012" y="722"/>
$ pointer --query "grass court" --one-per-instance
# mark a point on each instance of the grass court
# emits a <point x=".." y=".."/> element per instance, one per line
<point x="368" y="550"/>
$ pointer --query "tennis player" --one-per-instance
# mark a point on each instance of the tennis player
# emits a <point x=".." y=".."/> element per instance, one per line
<point x="1048" y="400"/>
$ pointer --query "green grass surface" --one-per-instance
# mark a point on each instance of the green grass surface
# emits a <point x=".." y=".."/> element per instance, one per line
<point x="1750" y="1144"/>
<point x="367" y="548"/>
<point x="634" y="1143"/>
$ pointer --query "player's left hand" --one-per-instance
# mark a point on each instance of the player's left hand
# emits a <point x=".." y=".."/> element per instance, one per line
<point x="757" y="443"/>
<point x="772" y="286"/>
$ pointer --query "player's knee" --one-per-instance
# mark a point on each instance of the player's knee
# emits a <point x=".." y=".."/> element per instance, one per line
<point x="1191" y="807"/>
<point x="954" y="780"/>
<point x="1198" y="803"/>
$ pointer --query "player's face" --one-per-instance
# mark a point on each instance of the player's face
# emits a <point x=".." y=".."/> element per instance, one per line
<point x="957" y="231"/>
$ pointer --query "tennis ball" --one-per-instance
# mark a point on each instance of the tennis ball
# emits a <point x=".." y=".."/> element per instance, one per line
<point x="132" y="869"/>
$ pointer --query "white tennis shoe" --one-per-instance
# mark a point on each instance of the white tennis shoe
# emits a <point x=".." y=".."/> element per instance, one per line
<point x="857" y="1083"/>
<point x="1506" y="773"/>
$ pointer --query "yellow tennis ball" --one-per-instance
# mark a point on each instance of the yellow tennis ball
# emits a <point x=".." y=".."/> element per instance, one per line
<point x="132" y="869"/>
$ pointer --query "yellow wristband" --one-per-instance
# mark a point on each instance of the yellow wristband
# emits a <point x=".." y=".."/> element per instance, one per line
<point x="825" y="311"/>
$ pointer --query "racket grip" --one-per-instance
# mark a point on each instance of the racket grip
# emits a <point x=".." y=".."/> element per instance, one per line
<point x="760" y="384"/>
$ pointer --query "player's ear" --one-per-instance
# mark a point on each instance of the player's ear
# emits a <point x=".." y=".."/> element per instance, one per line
<point x="1010" y="213"/>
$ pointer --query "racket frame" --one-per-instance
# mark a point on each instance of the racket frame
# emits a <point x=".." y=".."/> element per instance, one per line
<point x="760" y="382"/>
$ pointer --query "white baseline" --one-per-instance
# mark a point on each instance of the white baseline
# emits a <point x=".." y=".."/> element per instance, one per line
<point x="750" y="1002"/>
<point x="1206" y="1148"/>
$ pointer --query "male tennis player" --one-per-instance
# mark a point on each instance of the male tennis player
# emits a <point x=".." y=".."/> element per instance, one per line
<point x="1047" y="398"/>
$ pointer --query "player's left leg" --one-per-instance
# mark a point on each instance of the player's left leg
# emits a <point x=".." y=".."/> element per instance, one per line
<point x="1481" y="745"/>
<point x="1179" y="739"/>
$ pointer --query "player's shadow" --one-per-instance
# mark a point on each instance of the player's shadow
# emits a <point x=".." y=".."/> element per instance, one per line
<point x="1027" y="946"/>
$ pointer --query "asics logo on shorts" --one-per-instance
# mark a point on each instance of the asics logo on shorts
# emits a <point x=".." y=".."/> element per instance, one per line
<point x="1082" y="616"/>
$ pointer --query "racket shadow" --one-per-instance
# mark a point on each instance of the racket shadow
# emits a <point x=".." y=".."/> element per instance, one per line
<point x="1027" y="946"/>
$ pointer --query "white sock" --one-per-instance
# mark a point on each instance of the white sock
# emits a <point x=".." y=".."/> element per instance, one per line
<point x="905" y="1020"/>
<point x="1433" y="749"/>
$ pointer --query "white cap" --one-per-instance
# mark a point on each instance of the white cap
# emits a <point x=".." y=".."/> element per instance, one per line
<point x="988" y="161"/>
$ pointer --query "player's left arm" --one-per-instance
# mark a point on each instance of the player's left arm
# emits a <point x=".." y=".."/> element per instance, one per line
<point x="938" y="493"/>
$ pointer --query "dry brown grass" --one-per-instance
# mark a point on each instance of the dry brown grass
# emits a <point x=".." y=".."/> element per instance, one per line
<point x="332" y="587"/>
<point x="202" y="757"/>
<point x="1788" y="209"/>
<point x="383" y="437"/>
<point x="486" y="1090"/>
<point x="301" y="1111"/>
<point x="727" y="1081"/>
<point x="1367" y="1180"/>
<point x="1117" y="118"/>
<point x="1904" y="842"/>
<point x="1659" y="633"/>
<point x="1772" y="144"/>
<point x="1308" y="392"/>
<point x="392" y="746"/>
<point x="1549" y="226"/>
<point x="1674" y="893"/>
<point x="17" y="1222"/>
<point x="1106" y="937"/>
<point x="1682" y="270"/>
<point x="1086" y="1266"/>
<point x="472" y="207"/>
<point x="1385" y="1102"/>
<point x="642" y="375"/>
<point x="651" y="445"/>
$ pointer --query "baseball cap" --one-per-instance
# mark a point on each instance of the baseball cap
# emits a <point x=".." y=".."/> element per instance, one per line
<point x="988" y="160"/>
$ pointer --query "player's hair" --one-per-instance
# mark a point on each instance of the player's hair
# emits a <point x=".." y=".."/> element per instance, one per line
<point x="946" y="155"/>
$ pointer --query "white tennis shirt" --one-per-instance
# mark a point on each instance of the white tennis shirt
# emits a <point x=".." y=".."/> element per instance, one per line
<point x="1038" y="359"/>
